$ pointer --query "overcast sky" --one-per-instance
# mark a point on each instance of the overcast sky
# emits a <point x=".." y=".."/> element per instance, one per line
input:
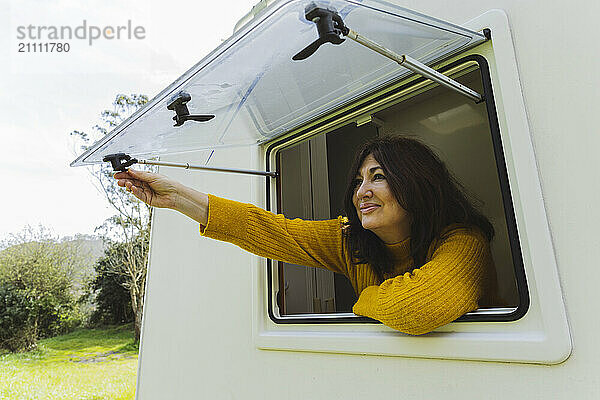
<point x="44" y="96"/>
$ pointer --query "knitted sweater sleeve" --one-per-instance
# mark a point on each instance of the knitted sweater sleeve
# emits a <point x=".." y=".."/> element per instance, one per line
<point x="437" y="293"/>
<point x="296" y="241"/>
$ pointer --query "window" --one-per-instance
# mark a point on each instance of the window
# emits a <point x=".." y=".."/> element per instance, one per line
<point x="466" y="137"/>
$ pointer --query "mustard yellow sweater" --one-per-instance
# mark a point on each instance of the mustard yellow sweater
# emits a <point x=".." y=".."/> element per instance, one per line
<point x="453" y="281"/>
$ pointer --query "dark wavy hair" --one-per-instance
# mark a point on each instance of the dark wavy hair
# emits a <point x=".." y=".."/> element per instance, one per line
<point x="423" y="186"/>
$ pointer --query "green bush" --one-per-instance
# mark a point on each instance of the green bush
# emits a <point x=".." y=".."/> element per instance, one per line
<point x="36" y="275"/>
<point x="17" y="331"/>
<point x="56" y="316"/>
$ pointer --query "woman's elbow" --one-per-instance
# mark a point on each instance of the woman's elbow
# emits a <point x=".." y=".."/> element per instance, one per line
<point x="419" y="321"/>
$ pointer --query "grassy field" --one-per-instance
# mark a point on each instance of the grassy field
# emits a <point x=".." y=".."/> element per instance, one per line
<point x="86" y="364"/>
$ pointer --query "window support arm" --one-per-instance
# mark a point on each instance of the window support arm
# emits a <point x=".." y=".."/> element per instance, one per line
<point x="331" y="27"/>
<point x="122" y="161"/>
<point x="205" y="168"/>
<point x="416" y="66"/>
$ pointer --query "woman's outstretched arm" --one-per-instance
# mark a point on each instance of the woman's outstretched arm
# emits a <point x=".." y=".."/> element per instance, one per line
<point x="296" y="241"/>
<point x="309" y="243"/>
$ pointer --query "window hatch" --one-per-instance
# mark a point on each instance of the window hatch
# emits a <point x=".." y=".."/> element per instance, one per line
<point x="257" y="92"/>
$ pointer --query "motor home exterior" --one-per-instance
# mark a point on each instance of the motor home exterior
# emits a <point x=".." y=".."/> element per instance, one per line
<point x="225" y="324"/>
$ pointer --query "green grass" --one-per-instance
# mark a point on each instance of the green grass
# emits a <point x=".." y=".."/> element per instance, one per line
<point x="84" y="365"/>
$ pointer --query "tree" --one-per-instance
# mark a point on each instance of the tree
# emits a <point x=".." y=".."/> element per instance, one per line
<point x="112" y="300"/>
<point x="127" y="233"/>
<point x="37" y="272"/>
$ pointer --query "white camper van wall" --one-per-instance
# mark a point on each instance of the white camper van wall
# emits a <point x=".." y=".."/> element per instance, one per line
<point x="220" y="322"/>
<point x="272" y="93"/>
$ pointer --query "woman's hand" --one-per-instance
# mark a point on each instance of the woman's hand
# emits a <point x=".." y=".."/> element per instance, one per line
<point x="153" y="189"/>
<point x="159" y="191"/>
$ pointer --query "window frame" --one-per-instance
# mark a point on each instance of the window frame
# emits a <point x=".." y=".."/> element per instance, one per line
<point x="481" y="315"/>
<point x="541" y="336"/>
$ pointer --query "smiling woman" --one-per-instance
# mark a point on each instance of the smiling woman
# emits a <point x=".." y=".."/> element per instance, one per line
<point x="412" y="246"/>
<point x="409" y="192"/>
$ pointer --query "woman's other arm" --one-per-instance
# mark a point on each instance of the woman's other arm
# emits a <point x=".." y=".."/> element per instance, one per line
<point x="443" y="289"/>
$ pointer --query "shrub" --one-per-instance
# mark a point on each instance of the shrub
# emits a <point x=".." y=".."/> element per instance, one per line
<point x="17" y="330"/>
<point x="37" y="273"/>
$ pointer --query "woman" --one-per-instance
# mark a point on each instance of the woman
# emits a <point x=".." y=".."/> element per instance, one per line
<point x="414" y="248"/>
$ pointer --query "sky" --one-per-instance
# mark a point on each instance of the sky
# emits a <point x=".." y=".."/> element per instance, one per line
<point x="46" y="95"/>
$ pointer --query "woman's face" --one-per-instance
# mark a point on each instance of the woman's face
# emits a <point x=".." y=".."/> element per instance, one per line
<point x="377" y="208"/>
